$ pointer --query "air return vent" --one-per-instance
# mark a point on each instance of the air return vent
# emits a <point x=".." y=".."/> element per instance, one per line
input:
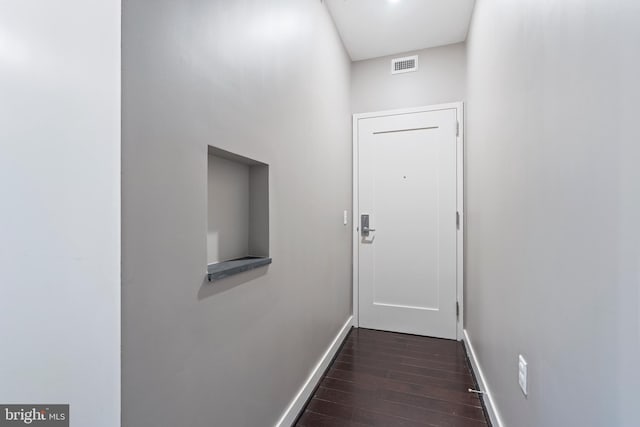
<point x="404" y="65"/>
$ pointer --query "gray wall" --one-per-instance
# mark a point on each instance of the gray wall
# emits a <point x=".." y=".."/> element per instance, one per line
<point x="228" y="209"/>
<point x="440" y="78"/>
<point x="269" y="81"/>
<point x="60" y="214"/>
<point x="553" y="188"/>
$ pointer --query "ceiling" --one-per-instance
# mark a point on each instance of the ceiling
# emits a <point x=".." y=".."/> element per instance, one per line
<point x="373" y="28"/>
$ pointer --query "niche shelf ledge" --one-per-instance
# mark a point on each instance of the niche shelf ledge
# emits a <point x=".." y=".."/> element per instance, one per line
<point x="220" y="270"/>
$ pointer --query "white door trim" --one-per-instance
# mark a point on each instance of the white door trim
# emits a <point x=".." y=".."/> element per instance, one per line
<point x="459" y="107"/>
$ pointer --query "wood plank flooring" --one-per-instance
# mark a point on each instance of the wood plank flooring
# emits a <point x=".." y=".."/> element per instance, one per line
<point x="390" y="379"/>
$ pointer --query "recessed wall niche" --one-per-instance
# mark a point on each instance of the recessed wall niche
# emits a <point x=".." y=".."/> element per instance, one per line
<point x="238" y="214"/>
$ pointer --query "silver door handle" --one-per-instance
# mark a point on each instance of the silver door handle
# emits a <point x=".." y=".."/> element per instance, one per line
<point x="364" y="225"/>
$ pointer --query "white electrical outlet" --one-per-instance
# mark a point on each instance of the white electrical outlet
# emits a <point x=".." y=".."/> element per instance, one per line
<point x="345" y="217"/>
<point x="522" y="374"/>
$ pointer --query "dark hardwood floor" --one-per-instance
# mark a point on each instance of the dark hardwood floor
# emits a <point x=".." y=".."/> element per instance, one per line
<point x="390" y="379"/>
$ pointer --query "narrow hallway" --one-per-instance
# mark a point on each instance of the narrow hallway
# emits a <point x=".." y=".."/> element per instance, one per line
<point x="213" y="211"/>
<point x="391" y="379"/>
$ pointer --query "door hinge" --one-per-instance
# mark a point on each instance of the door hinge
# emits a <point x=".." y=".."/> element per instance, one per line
<point x="458" y="220"/>
<point x="457" y="128"/>
<point x="457" y="310"/>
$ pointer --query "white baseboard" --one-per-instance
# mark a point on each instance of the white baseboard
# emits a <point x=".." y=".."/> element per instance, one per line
<point x="489" y="403"/>
<point x="292" y="412"/>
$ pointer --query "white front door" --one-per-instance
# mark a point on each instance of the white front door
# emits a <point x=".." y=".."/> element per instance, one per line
<point x="407" y="188"/>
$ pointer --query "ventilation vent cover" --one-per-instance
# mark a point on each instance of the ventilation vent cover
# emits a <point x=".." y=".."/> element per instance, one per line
<point x="404" y="65"/>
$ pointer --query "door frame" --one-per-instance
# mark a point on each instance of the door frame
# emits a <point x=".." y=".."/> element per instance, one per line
<point x="459" y="108"/>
